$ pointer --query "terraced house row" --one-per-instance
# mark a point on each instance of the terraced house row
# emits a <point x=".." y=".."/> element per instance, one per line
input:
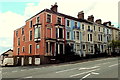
<point x="50" y="34"/>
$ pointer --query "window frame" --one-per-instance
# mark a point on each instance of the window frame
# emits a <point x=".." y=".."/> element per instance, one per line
<point x="67" y="23"/>
<point x="30" y="24"/>
<point x="83" y="47"/>
<point x="30" y="49"/>
<point x="99" y="29"/>
<point x="88" y="37"/>
<point x="22" y="31"/>
<point x="47" y="18"/>
<point x="18" y="41"/>
<point x="67" y="35"/>
<point x="37" y="46"/>
<point x="75" y="23"/>
<point x="83" y="26"/>
<point x="30" y="35"/>
<point x="37" y="19"/>
<point x="58" y="17"/>
<point x="77" y="35"/>
<point x="88" y="28"/>
<point x="91" y="37"/>
<point x="16" y="33"/>
<point x="23" y="49"/>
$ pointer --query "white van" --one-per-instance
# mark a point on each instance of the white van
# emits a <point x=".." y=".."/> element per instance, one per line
<point x="8" y="62"/>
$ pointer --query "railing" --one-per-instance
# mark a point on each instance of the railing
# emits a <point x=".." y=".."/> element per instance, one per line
<point x="76" y="27"/>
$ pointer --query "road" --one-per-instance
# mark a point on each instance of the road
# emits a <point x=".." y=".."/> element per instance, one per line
<point x="95" y="69"/>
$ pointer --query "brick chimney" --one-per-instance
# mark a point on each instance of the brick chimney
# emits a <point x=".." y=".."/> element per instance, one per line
<point x="107" y="23"/>
<point x="98" y="21"/>
<point x="54" y="7"/>
<point x="91" y="18"/>
<point x="81" y="15"/>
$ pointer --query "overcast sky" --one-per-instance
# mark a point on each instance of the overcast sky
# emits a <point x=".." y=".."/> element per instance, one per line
<point x="14" y="13"/>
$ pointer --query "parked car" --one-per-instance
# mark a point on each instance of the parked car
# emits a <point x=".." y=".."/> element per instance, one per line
<point x="8" y="62"/>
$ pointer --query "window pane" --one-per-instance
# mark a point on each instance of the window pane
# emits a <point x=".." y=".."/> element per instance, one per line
<point x="37" y="32"/>
<point x="60" y="33"/>
<point x="59" y="20"/>
<point x="68" y="23"/>
<point x="37" y="46"/>
<point x="38" y="19"/>
<point x="48" y="18"/>
<point x="30" y="49"/>
<point x="77" y="35"/>
<point x="68" y="35"/>
<point x="30" y="35"/>
<point x="31" y="24"/>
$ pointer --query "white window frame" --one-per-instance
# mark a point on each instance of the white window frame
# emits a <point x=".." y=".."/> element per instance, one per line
<point x="18" y="41"/>
<point x="22" y="49"/>
<point x="82" y="26"/>
<point x="51" y="17"/>
<point x="29" y="35"/>
<point x="69" y="22"/>
<point x="77" y="35"/>
<point x="69" y="35"/>
<point x="36" y="19"/>
<point x="75" y="22"/>
<point x="30" y="23"/>
<point x="57" y="19"/>
<point x="74" y="32"/>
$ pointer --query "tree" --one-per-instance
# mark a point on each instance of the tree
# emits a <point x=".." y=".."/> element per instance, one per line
<point x="115" y="45"/>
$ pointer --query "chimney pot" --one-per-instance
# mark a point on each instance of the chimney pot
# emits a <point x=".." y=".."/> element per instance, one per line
<point x="81" y="15"/>
<point x="91" y="18"/>
<point x="98" y="21"/>
<point x="54" y="7"/>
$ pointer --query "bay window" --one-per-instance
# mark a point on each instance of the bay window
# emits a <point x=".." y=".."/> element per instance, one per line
<point x="37" y="32"/>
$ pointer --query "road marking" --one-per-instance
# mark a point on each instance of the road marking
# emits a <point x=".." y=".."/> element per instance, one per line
<point x="113" y="65"/>
<point x="103" y="63"/>
<point x="76" y="68"/>
<point x="82" y="62"/>
<point x="95" y="73"/>
<point x="89" y="75"/>
<point x="85" y="76"/>
<point x="66" y="70"/>
<point x="89" y="68"/>
<point x="83" y="73"/>
<point x="28" y="77"/>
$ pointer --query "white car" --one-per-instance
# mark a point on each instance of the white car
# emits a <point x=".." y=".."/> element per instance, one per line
<point x="8" y="62"/>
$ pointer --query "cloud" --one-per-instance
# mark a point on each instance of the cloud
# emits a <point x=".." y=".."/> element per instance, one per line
<point x="9" y="21"/>
<point x="107" y="10"/>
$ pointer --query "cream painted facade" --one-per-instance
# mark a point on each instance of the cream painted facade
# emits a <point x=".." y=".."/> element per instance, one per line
<point x="115" y="34"/>
<point x="96" y="37"/>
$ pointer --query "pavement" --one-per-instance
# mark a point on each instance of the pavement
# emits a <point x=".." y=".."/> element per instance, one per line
<point x="104" y="69"/>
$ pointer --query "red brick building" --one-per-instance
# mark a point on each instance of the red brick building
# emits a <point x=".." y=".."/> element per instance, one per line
<point x="41" y="38"/>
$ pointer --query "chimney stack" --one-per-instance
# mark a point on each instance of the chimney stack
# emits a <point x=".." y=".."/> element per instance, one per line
<point x="98" y="21"/>
<point x="54" y="7"/>
<point x="107" y="23"/>
<point x="91" y="18"/>
<point x="81" y="15"/>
